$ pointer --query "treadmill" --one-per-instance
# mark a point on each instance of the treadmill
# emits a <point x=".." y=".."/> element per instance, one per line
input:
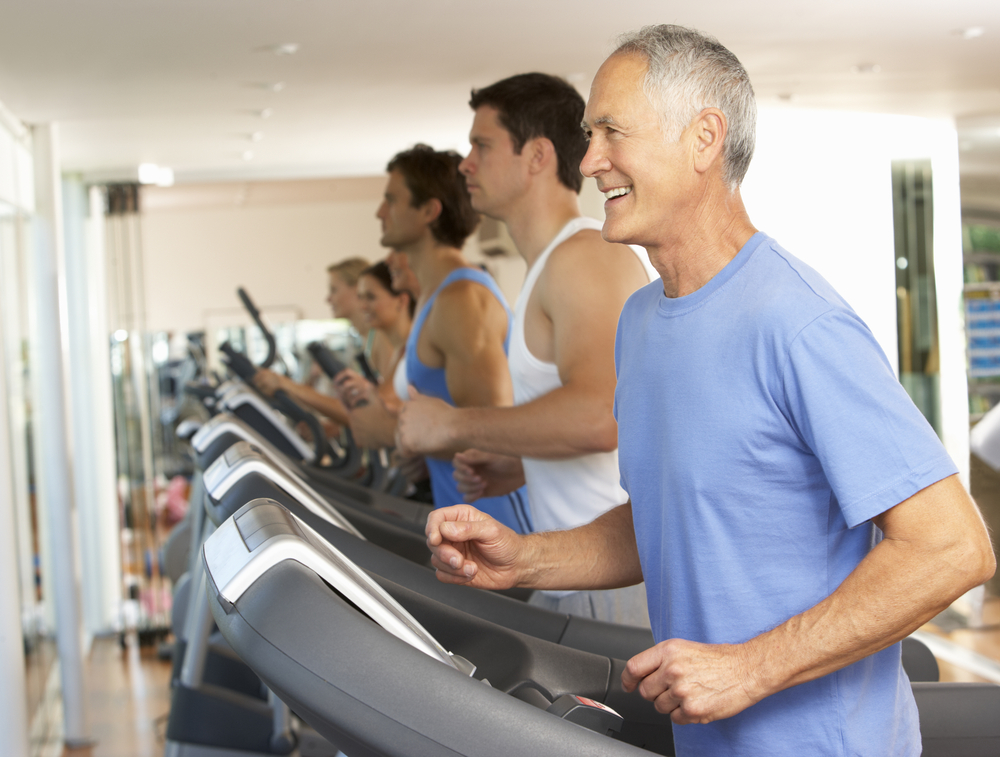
<point x="381" y="670"/>
<point x="243" y="473"/>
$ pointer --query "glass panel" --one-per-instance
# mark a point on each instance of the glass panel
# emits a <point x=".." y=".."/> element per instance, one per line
<point x="39" y="643"/>
<point x="138" y="438"/>
<point x="916" y="313"/>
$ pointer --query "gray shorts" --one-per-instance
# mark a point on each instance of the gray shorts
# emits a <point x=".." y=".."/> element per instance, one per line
<point x="626" y="606"/>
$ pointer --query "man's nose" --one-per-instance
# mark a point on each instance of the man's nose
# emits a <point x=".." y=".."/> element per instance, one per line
<point x="593" y="161"/>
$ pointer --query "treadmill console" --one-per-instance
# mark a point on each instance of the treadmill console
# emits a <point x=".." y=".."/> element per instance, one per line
<point x="263" y="533"/>
<point x="246" y="401"/>
<point x="218" y="425"/>
<point x="243" y="459"/>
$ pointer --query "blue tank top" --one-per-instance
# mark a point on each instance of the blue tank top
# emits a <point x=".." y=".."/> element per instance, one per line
<point x="510" y="509"/>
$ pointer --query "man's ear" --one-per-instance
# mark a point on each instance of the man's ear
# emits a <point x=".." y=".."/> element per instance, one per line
<point x="431" y="210"/>
<point x="541" y="154"/>
<point x="708" y="132"/>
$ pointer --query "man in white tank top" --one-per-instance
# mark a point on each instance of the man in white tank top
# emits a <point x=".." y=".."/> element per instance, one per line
<point x="560" y="437"/>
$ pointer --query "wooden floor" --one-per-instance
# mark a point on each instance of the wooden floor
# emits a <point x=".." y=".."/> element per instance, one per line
<point x="129" y="699"/>
<point x="129" y="688"/>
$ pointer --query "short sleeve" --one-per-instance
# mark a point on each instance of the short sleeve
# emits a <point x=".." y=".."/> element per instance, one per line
<point x="843" y="399"/>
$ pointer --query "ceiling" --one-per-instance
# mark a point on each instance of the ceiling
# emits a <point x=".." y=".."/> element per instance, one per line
<point x="187" y="83"/>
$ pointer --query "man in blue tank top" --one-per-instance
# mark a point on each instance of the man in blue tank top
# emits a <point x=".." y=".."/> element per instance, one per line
<point x="792" y="513"/>
<point x="457" y="348"/>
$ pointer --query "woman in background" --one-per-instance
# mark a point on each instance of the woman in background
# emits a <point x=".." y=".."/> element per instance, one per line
<point x="342" y="296"/>
<point x="389" y="313"/>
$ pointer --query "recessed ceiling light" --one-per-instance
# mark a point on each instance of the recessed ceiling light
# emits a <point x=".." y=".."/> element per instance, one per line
<point x="270" y="86"/>
<point x="287" y="48"/>
<point x="247" y="155"/>
<point x="866" y="68"/>
<point x="257" y="136"/>
<point x="970" y="32"/>
<point x="265" y="113"/>
<point x="161" y="176"/>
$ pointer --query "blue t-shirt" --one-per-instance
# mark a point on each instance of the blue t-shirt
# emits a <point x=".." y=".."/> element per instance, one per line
<point x="760" y="428"/>
<point x="510" y="509"/>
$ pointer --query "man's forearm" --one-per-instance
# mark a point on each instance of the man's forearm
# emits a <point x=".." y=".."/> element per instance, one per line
<point x="600" y="555"/>
<point x="562" y="424"/>
<point x="373" y="425"/>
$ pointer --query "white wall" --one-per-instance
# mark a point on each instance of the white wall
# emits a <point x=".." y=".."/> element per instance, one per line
<point x="820" y="183"/>
<point x="275" y="239"/>
<point x="199" y="246"/>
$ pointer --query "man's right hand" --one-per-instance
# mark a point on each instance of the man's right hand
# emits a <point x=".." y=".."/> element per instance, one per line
<point x="413" y="469"/>
<point x="470" y="547"/>
<point x="485" y="474"/>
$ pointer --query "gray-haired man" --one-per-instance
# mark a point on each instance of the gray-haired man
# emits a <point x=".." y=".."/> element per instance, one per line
<point x="792" y="513"/>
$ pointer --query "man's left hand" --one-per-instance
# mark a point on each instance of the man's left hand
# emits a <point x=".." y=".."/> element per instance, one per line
<point x="694" y="683"/>
<point x="424" y="425"/>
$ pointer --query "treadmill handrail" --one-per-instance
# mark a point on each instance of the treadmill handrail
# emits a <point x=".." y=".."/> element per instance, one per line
<point x="272" y="346"/>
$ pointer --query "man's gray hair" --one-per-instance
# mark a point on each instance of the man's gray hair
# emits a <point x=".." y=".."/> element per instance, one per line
<point x="689" y="71"/>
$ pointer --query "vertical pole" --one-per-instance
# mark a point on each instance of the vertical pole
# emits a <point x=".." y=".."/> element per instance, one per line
<point x="94" y="440"/>
<point x="13" y="708"/>
<point x="52" y="440"/>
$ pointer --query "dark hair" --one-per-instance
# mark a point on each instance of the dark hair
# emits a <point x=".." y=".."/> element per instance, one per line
<point x="540" y="105"/>
<point x="430" y="174"/>
<point x="380" y="272"/>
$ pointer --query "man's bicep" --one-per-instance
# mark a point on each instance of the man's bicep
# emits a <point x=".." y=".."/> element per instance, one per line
<point x="469" y="331"/>
<point x="936" y="516"/>
<point x="936" y="540"/>
<point x="584" y="302"/>
<point x="478" y="378"/>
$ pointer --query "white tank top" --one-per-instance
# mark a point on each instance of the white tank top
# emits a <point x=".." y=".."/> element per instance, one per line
<point x="399" y="382"/>
<point x="562" y="493"/>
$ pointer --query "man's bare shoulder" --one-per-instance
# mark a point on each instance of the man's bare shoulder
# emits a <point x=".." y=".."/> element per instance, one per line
<point x="462" y="308"/>
<point x="461" y="297"/>
<point x="586" y="256"/>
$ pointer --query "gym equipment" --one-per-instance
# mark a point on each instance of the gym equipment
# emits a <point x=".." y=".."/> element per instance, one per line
<point x="286" y="602"/>
<point x="377" y="475"/>
<point x="959" y="719"/>
<point x="242" y="466"/>
<point x="272" y="346"/>
<point x="219" y="708"/>
<point x="580" y="633"/>
<point x="223" y="430"/>
<point x="366" y="664"/>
